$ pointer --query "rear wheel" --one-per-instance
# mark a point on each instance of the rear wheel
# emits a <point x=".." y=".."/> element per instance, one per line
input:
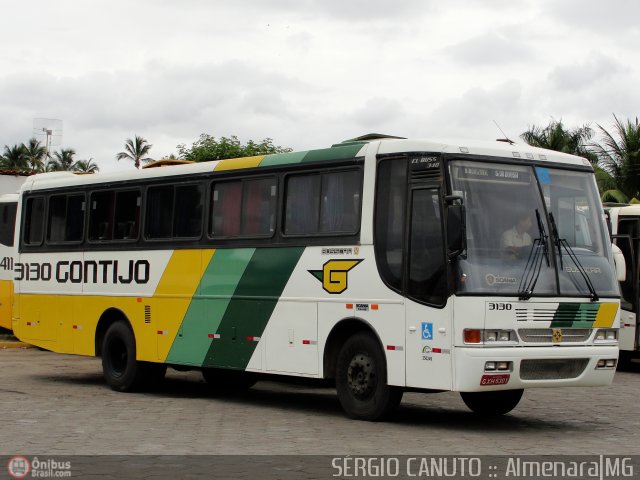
<point x="121" y="370"/>
<point x="229" y="379"/>
<point x="361" y="374"/>
<point x="492" y="403"/>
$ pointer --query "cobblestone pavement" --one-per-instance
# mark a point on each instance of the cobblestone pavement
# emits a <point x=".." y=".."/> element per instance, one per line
<point x="59" y="405"/>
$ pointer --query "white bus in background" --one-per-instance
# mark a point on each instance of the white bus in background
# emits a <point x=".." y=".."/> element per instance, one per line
<point x="10" y="183"/>
<point x="382" y="264"/>
<point x="624" y="223"/>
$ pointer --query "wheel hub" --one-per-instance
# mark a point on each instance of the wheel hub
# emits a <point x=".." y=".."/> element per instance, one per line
<point x="361" y="376"/>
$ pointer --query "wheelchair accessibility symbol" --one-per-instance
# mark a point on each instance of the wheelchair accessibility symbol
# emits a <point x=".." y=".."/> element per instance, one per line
<point x="427" y="331"/>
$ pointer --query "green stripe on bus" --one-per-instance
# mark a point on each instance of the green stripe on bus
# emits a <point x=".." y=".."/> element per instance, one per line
<point x="334" y="153"/>
<point x="282" y="159"/>
<point x="251" y="307"/>
<point x="577" y="315"/>
<point x="210" y="302"/>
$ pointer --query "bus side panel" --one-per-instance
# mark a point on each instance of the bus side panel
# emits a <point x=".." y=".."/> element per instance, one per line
<point x="6" y="301"/>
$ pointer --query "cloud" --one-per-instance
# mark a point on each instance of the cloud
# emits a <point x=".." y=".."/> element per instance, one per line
<point x="490" y="49"/>
<point x="595" y="15"/>
<point x="596" y="69"/>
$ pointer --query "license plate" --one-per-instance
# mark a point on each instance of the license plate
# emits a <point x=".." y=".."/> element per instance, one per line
<point x="501" y="379"/>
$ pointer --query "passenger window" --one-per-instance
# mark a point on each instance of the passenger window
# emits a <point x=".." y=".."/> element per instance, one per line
<point x="159" y="212"/>
<point x="114" y="215"/>
<point x="244" y="208"/>
<point x="34" y="221"/>
<point x="323" y="204"/>
<point x="187" y="216"/>
<point x="66" y="218"/>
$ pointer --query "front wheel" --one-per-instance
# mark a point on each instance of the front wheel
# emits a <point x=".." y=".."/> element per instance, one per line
<point x="361" y="380"/>
<point x="121" y="370"/>
<point x="492" y="403"/>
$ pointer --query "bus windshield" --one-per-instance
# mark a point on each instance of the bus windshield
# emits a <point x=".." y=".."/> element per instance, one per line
<point x="510" y="241"/>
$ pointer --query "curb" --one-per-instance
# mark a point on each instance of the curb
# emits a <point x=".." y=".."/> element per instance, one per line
<point x="14" y="344"/>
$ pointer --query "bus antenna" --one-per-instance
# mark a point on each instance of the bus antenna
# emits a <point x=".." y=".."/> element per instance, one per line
<point x="505" y="139"/>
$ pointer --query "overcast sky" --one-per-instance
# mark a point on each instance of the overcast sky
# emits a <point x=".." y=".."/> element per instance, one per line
<point x="309" y="73"/>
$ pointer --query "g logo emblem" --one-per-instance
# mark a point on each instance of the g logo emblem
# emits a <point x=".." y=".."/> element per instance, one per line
<point x="334" y="275"/>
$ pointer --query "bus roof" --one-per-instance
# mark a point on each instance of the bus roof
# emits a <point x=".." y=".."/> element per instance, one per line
<point x="342" y="151"/>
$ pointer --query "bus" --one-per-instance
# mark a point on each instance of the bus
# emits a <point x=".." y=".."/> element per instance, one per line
<point x="380" y="265"/>
<point x="10" y="182"/>
<point x="624" y="224"/>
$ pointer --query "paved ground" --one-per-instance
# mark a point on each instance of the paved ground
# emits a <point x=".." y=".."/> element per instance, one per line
<point x="58" y="405"/>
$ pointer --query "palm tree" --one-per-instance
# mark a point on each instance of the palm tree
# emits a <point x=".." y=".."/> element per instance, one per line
<point x="85" y="166"/>
<point x="14" y="158"/>
<point x="556" y="136"/>
<point x="619" y="156"/>
<point x="35" y="154"/>
<point x="62" y="160"/>
<point x="135" y="150"/>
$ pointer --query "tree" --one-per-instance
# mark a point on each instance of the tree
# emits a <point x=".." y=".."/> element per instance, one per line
<point x="556" y="136"/>
<point x="14" y="158"/>
<point x="135" y="150"/>
<point x="62" y="161"/>
<point x="619" y="156"/>
<point x="86" y="166"/>
<point x="208" y="148"/>
<point x="35" y="154"/>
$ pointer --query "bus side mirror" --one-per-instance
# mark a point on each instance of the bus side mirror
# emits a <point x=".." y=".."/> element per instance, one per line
<point x="456" y="230"/>
<point x="620" y="263"/>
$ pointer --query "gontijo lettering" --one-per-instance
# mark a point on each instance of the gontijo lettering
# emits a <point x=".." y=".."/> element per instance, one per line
<point x="88" y="271"/>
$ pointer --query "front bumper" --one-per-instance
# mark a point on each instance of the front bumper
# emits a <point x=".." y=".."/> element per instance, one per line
<point x="543" y="367"/>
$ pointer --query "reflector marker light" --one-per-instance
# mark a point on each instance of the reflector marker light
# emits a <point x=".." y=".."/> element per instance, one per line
<point x="162" y="332"/>
<point x="253" y="339"/>
<point x="349" y="306"/>
<point x="374" y="306"/>
<point x="397" y="348"/>
<point x="309" y="342"/>
<point x="214" y="335"/>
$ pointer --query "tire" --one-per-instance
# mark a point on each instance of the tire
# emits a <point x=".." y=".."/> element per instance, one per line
<point x="120" y="369"/>
<point x="361" y="380"/>
<point x="224" y="379"/>
<point x="492" y="403"/>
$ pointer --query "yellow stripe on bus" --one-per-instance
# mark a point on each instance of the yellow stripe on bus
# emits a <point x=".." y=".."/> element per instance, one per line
<point x="606" y="315"/>
<point x="237" y="163"/>
<point x="172" y="298"/>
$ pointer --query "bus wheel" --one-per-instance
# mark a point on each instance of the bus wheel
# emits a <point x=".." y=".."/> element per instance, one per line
<point x="120" y="368"/>
<point x="492" y="403"/>
<point x="229" y="379"/>
<point x="361" y="380"/>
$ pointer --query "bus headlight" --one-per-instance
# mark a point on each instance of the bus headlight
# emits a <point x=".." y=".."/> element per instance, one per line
<point x="489" y="337"/>
<point x="606" y="335"/>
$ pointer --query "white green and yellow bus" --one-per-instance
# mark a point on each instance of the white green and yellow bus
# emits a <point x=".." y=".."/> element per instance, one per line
<point x="382" y="264"/>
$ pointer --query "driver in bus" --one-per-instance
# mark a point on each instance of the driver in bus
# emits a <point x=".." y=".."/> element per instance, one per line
<point x="515" y="239"/>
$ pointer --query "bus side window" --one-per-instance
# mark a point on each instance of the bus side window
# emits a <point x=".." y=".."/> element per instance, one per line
<point x="225" y="211"/>
<point x="34" y="221"/>
<point x="127" y="215"/>
<point x="187" y="216"/>
<point x="101" y="216"/>
<point x="7" y="222"/>
<point x="66" y="218"/>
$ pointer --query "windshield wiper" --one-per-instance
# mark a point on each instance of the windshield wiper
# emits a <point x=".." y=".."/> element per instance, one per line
<point x="533" y="267"/>
<point x="562" y="243"/>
